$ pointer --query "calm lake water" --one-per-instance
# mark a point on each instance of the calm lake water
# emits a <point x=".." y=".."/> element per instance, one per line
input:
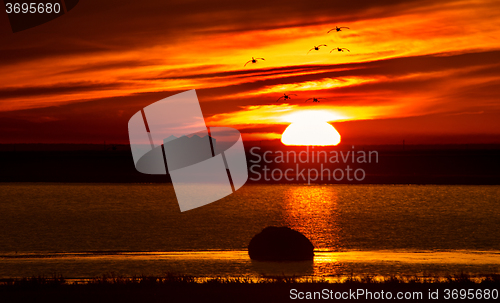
<point x="86" y="230"/>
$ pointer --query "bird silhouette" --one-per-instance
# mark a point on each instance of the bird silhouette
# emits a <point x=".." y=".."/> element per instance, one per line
<point x="314" y="99"/>
<point x="316" y="47"/>
<point x="340" y="49"/>
<point x="286" y="97"/>
<point x="338" y="29"/>
<point x="254" y="60"/>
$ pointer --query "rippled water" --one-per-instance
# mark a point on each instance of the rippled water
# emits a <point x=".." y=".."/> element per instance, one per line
<point x="83" y="230"/>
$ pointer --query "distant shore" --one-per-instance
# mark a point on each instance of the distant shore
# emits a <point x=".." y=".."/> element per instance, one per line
<point x="396" y="164"/>
<point x="180" y="288"/>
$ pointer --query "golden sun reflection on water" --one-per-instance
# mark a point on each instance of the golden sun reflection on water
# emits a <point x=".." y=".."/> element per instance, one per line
<point x="313" y="211"/>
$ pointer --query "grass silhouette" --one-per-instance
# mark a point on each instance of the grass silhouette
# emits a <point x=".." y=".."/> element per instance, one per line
<point x="184" y="288"/>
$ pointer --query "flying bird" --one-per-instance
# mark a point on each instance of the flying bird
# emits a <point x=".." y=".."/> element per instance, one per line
<point x="314" y="99"/>
<point x="286" y="97"/>
<point x="338" y="29"/>
<point x="316" y="47"/>
<point x="254" y="60"/>
<point x="340" y="49"/>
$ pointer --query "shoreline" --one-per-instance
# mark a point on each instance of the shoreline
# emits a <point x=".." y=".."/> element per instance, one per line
<point x="236" y="264"/>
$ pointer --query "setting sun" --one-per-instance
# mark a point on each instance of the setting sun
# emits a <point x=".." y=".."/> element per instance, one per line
<point x="310" y="129"/>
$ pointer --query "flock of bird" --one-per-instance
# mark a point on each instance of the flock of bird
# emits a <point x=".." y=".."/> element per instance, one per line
<point x="287" y="97"/>
<point x="316" y="48"/>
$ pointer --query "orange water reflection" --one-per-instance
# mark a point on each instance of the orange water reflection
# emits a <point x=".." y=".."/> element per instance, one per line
<point x="313" y="210"/>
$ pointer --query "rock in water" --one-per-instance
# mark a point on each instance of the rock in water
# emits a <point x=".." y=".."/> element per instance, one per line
<point x="280" y="244"/>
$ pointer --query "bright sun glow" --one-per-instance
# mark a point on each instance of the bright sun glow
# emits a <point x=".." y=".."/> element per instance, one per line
<point x="310" y="129"/>
<point x="312" y="115"/>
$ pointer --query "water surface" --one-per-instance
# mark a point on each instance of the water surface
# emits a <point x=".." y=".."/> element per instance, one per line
<point x="83" y="230"/>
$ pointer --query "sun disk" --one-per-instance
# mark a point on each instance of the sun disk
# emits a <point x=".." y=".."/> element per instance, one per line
<point x="310" y="133"/>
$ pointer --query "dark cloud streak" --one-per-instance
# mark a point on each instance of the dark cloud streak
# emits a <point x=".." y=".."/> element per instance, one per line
<point x="62" y="88"/>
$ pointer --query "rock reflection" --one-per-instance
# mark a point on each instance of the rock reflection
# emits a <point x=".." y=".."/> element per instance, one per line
<point x="280" y="269"/>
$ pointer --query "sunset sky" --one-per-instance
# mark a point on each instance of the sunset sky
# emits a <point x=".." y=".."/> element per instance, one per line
<point x="422" y="71"/>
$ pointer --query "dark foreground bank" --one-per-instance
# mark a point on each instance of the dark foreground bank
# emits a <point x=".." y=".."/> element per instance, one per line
<point x="174" y="288"/>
